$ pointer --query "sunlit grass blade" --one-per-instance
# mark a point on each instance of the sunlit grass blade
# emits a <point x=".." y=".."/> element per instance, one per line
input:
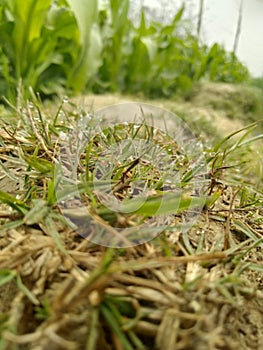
<point x="228" y="137"/>
<point x="251" y="140"/>
<point x="13" y="202"/>
<point x="162" y="205"/>
<point x="42" y="165"/>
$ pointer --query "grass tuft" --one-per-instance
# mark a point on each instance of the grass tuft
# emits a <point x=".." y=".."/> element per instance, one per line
<point x="196" y="287"/>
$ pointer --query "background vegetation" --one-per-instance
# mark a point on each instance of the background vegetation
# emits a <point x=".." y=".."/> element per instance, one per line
<point x="57" y="45"/>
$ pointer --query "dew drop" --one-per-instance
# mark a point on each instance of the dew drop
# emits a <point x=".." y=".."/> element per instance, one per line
<point x="65" y="99"/>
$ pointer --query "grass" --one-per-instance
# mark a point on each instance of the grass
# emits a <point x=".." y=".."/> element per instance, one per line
<point x="195" y="287"/>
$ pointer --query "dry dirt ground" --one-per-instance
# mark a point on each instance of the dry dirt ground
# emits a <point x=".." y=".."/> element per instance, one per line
<point x="157" y="295"/>
<point x="220" y="105"/>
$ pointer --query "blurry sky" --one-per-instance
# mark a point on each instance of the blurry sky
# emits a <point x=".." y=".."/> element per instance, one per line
<point x="219" y="24"/>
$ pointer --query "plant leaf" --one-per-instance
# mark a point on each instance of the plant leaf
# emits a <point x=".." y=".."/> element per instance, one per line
<point x="161" y="205"/>
<point x="86" y="13"/>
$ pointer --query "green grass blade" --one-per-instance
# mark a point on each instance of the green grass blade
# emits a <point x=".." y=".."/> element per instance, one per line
<point x="112" y="322"/>
<point x="26" y="291"/>
<point x="228" y="137"/>
<point x="51" y="230"/>
<point x="6" y="276"/>
<point x="162" y="205"/>
<point x="13" y="202"/>
<point x="11" y="225"/>
<point x="240" y="226"/>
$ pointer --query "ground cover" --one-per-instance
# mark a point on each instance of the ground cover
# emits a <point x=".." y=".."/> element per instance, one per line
<point x="198" y="290"/>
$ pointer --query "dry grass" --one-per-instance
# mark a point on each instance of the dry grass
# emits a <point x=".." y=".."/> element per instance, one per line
<point x="200" y="290"/>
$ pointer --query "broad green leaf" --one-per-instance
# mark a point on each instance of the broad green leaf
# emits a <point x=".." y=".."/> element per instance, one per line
<point x="52" y="45"/>
<point x="29" y="18"/>
<point x="119" y="12"/>
<point x="86" y="13"/>
<point x="62" y="22"/>
<point x="151" y="47"/>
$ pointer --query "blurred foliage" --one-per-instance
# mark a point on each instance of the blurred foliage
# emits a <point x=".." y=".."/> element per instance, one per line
<point x="53" y="46"/>
<point x="257" y="82"/>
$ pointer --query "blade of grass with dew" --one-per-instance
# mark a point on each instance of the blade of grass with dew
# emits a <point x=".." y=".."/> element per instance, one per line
<point x="7" y="172"/>
<point x="191" y="173"/>
<point x="241" y="141"/>
<point x="187" y="243"/>
<point x="210" y="201"/>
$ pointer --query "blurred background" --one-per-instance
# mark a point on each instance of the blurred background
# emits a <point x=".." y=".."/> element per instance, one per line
<point x="158" y="48"/>
<point x="219" y="24"/>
